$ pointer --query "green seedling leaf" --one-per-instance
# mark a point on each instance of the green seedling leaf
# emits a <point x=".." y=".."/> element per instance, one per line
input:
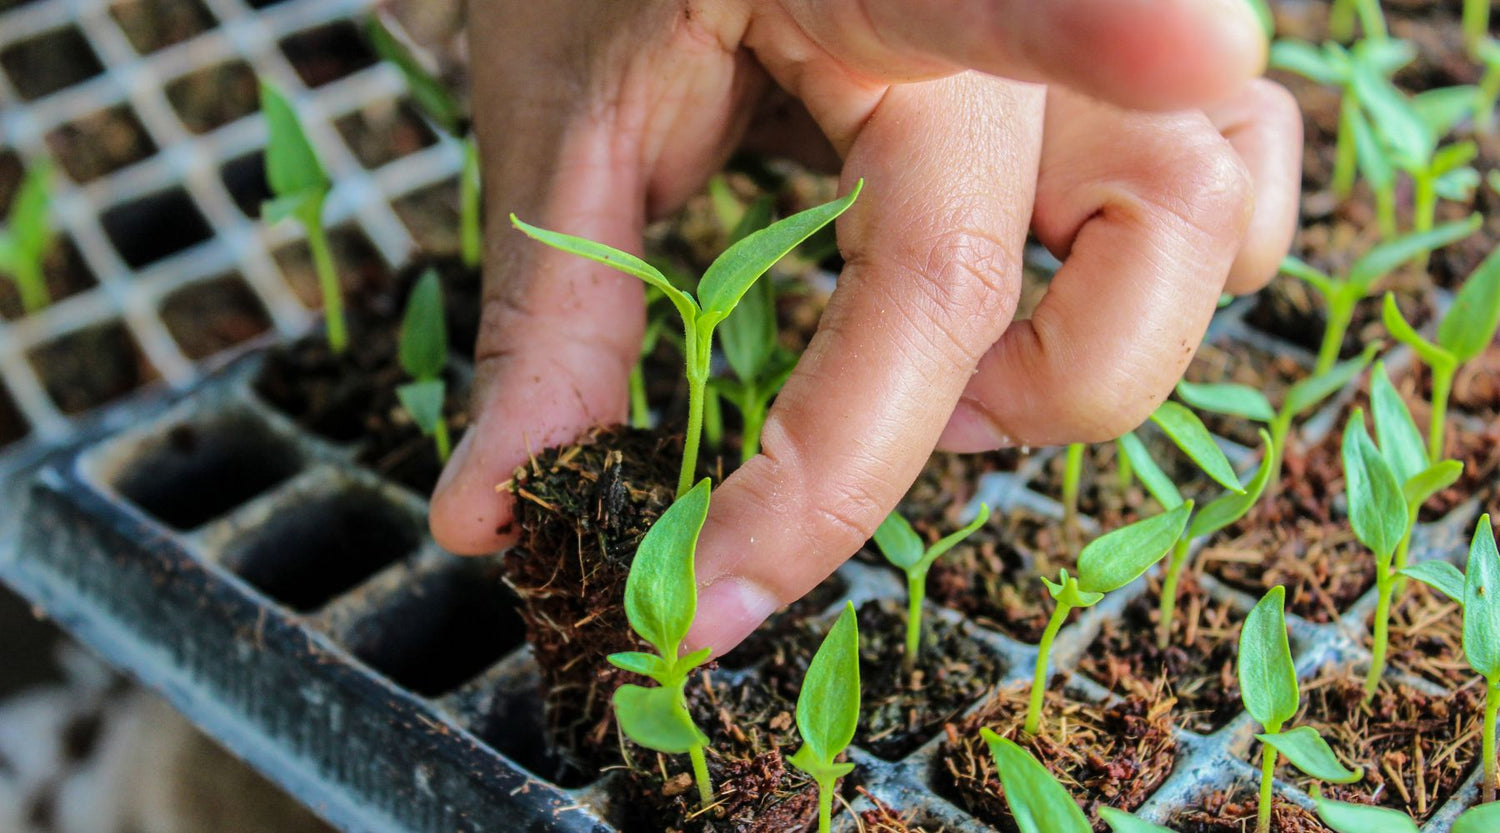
<point x="1039" y="803"/>
<point x="1395" y="323"/>
<point x="898" y="542"/>
<point x="1443" y="108"/>
<point x="1230" y="400"/>
<point x="1310" y="391"/>
<point x="615" y="259"/>
<point x="828" y="704"/>
<point x="1482" y="819"/>
<point x="292" y="166"/>
<point x="1430" y="481"/>
<point x="1300" y="269"/>
<point x="1409" y="139"/>
<point x="1307" y="751"/>
<point x="1383" y="55"/>
<point x="656" y="719"/>
<point x="1066" y="591"/>
<point x="424" y="332"/>
<point x="639" y="662"/>
<point x="1482" y="603"/>
<point x="1440" y="576"/>
<point x="948" y="542"/>
<point x="1372" y="159"/>
<point x="1453" y="157"/>
<point x="748" y="335"/>
<point x="1469" y="325"/>
<point x="1120" y="821"/>
<point x="1401" y="444"/>
<point x="28" y="226"/>
<point x="1148" y="472"/>
<point x="424" y="401"/>
<point x="1457" y="185"/>
<point x="426" y="90"/>
<point x="1377" y="508"/>
<point x="661" y="595"/>
<point x="1362" y="818"/>
<point x="1186" y="430"/>
<point x="744" y="262"/>
<point x="1306" y="60"/>
<point x="1225" y="510"/>
<point x="1117" y="558"/>
<point x="1385" y="258"/>
<point x="1268" y="679"/>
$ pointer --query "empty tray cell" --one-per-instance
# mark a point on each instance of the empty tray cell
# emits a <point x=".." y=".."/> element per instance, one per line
<point x="91" y="367"/>
<point x="195" y="472"/>
<point x="13" y="426"/>
<point x="213" y="315"/>
<point x="150" y="25"/>
<point x="431" y="215"/>
<point x="49" y="62"/>
<point x="155" y="227"/>
<point x="100" y="144"/>
<point x="210" y="98"/>
<point x="384" y="131"/>
<point x="442" y="631"/>
<point x="327" y="53"/>
<point x="360" y="265"/>
<point x="65" y="272"/>
<point x="504" y="711"/>
<point x="244" y="177"/>
<point x="318" y="547"/>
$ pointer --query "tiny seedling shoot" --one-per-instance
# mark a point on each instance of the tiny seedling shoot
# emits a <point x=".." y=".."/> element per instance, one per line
<point x="902" y="546"/>
<point x="1268" y="686"/>
<point x="1040" y="804"/>
<point x="1466" y="331"/>
<point x="1341" y="817"/>
<point x="424" y="354"/>
<point x="1343" y="13"/>
<point x="27" y="237"/>
<point x="828" y="711"/>
<point x="661" y="598"/>
<point x="1106" y="564"/>
<point x="725" y="282"/>
<point x="301" y="186"/>
<point x="1475" y="591"/>
<point x="1342" y="294"/>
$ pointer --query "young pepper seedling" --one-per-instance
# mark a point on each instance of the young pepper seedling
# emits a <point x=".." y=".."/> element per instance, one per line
<point x="1040" y="804"/>
<point x="1269" y="689"/>
<point x="424" y="354"/>
<point x="27" y="237"/>
<point x="902" y="546"/>
<point x="828" y="711"/>
<point x="722" y="287"/>
<point x="661" y="598"/>
<point x="1105" y="564"/>
<point x="1342" y="817"/>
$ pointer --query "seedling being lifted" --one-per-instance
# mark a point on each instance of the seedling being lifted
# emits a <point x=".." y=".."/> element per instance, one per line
<point x="828" y="711"/>
<point x="424" y="354"/>
<point x="661" y="598"/>
<point x="727" y="280"/>
<point x="902" y="546"/>
<point x="27" y="238"/>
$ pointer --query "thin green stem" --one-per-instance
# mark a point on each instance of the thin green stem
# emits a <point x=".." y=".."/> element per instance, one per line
<point x="444" y="443"/>
<point x="1385" y="210"/>
<point x="1424" y="210"/>
<point x="1039" y="680"/>
<point x="1442" y="386"/>
<point x="1341" y="21"/>
<point x="754" y="419"/>
<point x="1124" y="469"/>
<point x="1381" y="637"/>
<point x="470" y="237"/>
<point x="32" y="285"/>
<point x="1491" y="708"/>
<point x="1371" y="19"/>
<point x="1072" y="476"/>
<point x="1281" y="428"/>
<point x="825" y="807"/>
<point x="1340" y="314"/>
<point x="1476" y="23"/>
<point x="700" y="776"/>
<point x="1403" y="552"/>
<point x="916" y="588"/>
<point x="1268" y="756"/>
<point x="697" y="379"/>
<point x="1345" y="152"/>
<point x="640" y="409"/>
<point x="1489" y="91"/>
<point x="1168" y="609"/>
<point x="328" y="283"/>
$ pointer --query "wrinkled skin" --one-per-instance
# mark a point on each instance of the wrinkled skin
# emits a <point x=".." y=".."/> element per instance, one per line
<point x="1130" y="136"/>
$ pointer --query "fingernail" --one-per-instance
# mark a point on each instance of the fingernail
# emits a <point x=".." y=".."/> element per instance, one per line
<point x="728" y="610"/>
<point x="971" y="431"/>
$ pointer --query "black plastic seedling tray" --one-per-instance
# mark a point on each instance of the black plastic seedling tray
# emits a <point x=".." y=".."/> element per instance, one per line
<point x="383" y="682"/>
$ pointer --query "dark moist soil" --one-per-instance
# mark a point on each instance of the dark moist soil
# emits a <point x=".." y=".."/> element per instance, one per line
<point x="782" y="624"/>
<point x="151" y="25"/>
<point x="1295" y="538"/>
<point x="50" y="61"/>
<point x="1244" y="364"/>
<point x="63" y="270"/>
<point x="1234" y="811"/>
<point x="209" y="317"/>
<point x="395" y="448"/>
<point x="1198" y="667"/>
<point x="13" y="426"/>
<point x="1416" y="749"/>
<point x="100" y="144"/>
<point x="210" y="98"/>
<point x="91" y="367"/>
<point x="462" y="296"/>
<point x="1105" y="755"/>
<point x="581" y="511"/>
<point x="384" y="131"/>
<point x="341" y="397"/>
<point x="1426" y="637"/>
<point x="898" y="712"/>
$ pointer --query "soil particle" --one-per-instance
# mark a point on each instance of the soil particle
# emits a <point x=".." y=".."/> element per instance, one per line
<point x="1234" y="811"/>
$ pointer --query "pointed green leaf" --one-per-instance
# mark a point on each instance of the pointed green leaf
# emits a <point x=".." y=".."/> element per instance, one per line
<point x="898" y="542"/>
<point x="1443" y="108"/>
<point x="1268" y="679"/>
<point x="1066" y="591"/>
<point x="424" y="332"/>
<point x="292" y="166"/>
<point x="661" y="595"/>
<point x="825" y="773"/>
<point x="948" y="542"/>
<point x="1453" y="157"/>
<point x="1468" y="327"/>
<point x="828" y="704"/>
<point x="1401" y="444"/>
<point x="1307" y="751"/>
<point x="639" y="662"/>
<point x="656" y="719"/>
<point x="1377" y="509"/>
<point x="1482" y="604"/>
<point x="1310" y="391"/>
<point x="427" y="91"/>
<point x="1440" y="576"/>
<point x="1148" y="472"/>
<point x="1362" y="818"/>
<point x="1430" y="481"/>
<point x="424" y="401"/>
<point x="1298" y="268"/>
<point x="687" y="662"/>
<point x="1372" y="159"/>
<point x="748" y="335"/>
<point x="29" y="224"/>
<point x="1383" y="55"/>
<point x="1039" y="803"/>
<point x="1229" y="508"/>
<point x="615" y="259"/>
<point x="1120" y="821"/>
<point x="741" y="264"/>
<point x="1409" y="139"/>
<point x="1457" y="185"/>
<point x="1117" y="558"/>
<point x="1386" y="257"/>
<point x="1186" y="430"/>
<point x="1227" y="399"/>
<point x="1482" y="819"/>
<point x="1400" y="330"/>
<point x="1306" y="60"/>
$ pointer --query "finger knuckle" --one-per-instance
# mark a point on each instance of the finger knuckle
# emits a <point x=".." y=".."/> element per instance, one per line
<point x="1213" y="193"/>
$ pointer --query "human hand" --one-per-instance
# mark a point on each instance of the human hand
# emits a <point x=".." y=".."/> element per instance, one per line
<point x="595" y="117"/>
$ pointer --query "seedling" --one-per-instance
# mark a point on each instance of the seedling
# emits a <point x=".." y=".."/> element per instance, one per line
<point x="1343" y="13"/>
<point x="1041" y="804"/>
<point x="902" y="546"/>
<point x="27" y="238"/>
<point x="1342" y="294"/>
<point x="1363" y="818"/>
<point x="828" y="711"/>
<point x="723" y="285"/>
<point x="661" y="598"/>
<point x="301" y="187"/>
<point x="1268" y="687"/>
<point x="1106" y="564"/>
<point x="1386" y="487"/>
<point x="1475" y="590"/>
<point x="424" y="354"/>
<point x="439" y="105"/>
<point x="1465" y="332"/>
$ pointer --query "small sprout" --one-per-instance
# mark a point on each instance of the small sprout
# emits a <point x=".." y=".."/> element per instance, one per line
<point x="727" y="280"/>
<point x="301" y="187"/>
<point x="424" y="354"/>
<point x="1072" y="480"/>
<point x="27" y="238"/>
<point x="661" y="598"/>
<point x="1341" y="295"/>
<point x="901" y="546"/>
<point x="1268" y="687"/>
<point x="1342" y="14"/>
<point x="1482" y="634"/>
<point x="1362" y="818"/>
<point x="1106" y="564"/>
<point x="828" y="711"/>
